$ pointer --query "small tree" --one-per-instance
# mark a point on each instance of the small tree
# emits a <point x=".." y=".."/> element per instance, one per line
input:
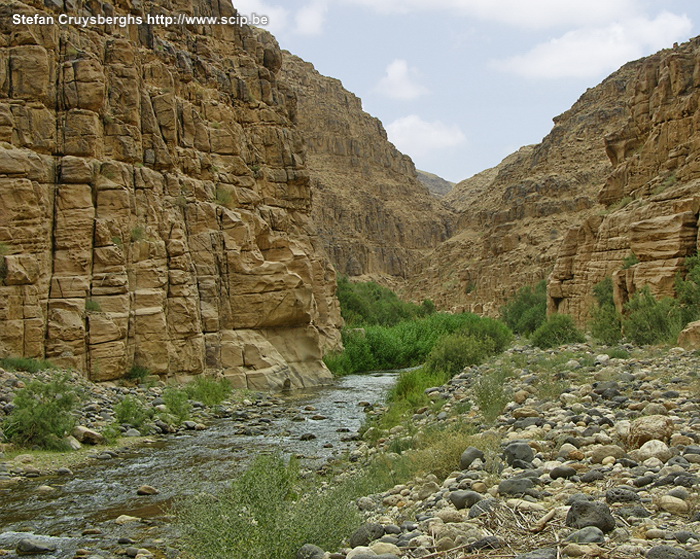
<point x="42" y="414"/>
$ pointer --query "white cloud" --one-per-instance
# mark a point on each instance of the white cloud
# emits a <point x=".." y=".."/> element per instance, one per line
<point x="278" y="16"/>
<point x="311" y="18"/>
<point x="590" y="52"/>
<point x="535" y="14"/>
<point x="399" y="82"/>
<point x="416" y="137"/>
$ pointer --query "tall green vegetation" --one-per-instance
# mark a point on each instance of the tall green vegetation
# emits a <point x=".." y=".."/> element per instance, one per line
<point x="368" y="303"/>
<point x="527" y="310"/>
<point x="409" y="343"/>
<point x="42" y="414"/>
<point x="558" y="329"/>
<point x="269" y="511"/>
<point x="651" y="321"/>
<point x="646" y="320"/>
<point x="606" y="322"/>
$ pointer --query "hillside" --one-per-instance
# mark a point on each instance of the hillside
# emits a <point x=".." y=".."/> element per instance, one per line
<point x="512" y="218"/>
<point x="372" y="213"/>
<point x="436" y="185"/>
<point x="650" y="197"/>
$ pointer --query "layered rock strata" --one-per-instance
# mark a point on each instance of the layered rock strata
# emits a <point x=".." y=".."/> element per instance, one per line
<point x="512" y="218"/>
<point x="373" y="214"/>
<point x="651" y="196"/>
<point x="154" y="202"/>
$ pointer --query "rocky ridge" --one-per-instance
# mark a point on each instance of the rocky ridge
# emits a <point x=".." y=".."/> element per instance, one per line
<point x="436" y="185"/>
<point x="650" y="196"/>
<point x="373" y="215"/>
<point x="606" y="464"/>
<point x="513" y="218"/>
<point x="155" y="209"/>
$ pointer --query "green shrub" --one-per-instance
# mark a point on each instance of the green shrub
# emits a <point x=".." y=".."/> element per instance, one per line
<point x="490" y="393"/>
<point x="26" y="364"/>
<point x="368" y="303"/>
<point x="629" y="261"/>
<point x="209" y="391"/>
<point x="269" y="511"/>
<point x="527" y="310"/>
<point x="409" y="343"/>
<point x="648" y="321"/>
<point x="138" y="233"/>
<point x="606" y="322"/>
<point x="42" y="414"/>
<point x="138" y="372"/>
<point x="688" y="290"/>
<point x="92" y="306"/>
<point x="132" y="411"/>
<point x="558" y="329"/>
<point x="178" y="404"/>
<point x="454" y="352"/>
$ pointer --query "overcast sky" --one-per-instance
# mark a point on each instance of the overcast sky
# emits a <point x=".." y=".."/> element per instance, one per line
<point x="460" y="84"/>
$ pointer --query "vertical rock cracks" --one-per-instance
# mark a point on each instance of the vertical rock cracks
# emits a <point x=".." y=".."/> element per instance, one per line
<point x="154" y="201"/>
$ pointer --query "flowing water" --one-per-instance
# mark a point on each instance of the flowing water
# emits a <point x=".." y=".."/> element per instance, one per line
<point x="99" y="492"/>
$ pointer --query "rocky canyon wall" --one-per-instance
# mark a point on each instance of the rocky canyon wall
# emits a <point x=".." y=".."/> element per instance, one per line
<point x="373" y="214"/>
<point x="155" y="207"/>
<point x="651" y="197"/>
<point x="512" y="218"/>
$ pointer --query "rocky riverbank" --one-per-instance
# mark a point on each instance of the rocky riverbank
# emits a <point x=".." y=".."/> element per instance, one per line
<point x="593" y="456"/>
<point x="111" y="500"/>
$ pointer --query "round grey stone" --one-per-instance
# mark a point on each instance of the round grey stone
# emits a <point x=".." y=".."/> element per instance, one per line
<point x="310" y="551"/>
<point x="518" y="451"/>
<point x="515" y="486"/>
<point x="468" y="456"/>
<point x="465" y="499"/>
<point x="366" y="534"/>
<point x="590" y="513"/>
<point x="35" y="546"/>
<point x="589" y="534"/>
<point x="565" y="472"/>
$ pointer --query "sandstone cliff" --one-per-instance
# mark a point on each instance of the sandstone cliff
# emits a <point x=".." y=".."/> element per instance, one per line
<point x="651" y="197"/>
<point x="512" y="218"/>
<point x="373" y="214"/>
<point x="154" y="202"/>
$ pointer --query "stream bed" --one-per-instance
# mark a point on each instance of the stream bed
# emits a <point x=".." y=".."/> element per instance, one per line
<point x="78" y="514"/>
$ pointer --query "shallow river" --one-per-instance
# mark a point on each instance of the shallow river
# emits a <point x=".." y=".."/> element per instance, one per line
<point x="102" y="490"/>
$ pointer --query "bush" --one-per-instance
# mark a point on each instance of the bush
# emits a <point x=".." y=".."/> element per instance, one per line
<point x="209" y="391"/>
<point x="368" y="303"/>
<point x="606" y="322"/>
<point x="409" y="343"/>
<point x="26" y="364"/>
<point x="558" y="329"/>
<point x="269" y="511"/>
<point x="527" y="310"/>
<point x="132" y="411"/>
<point x="648" y="321"/>
<point x="42" y="414"/>
<point x="138" y="372"/>
<point x="92" y="306"/>
<point x="490" y="393"/>
<point x="454" y="352"/>
<point x="688" y="290"/>
<point x="178" y="404"/>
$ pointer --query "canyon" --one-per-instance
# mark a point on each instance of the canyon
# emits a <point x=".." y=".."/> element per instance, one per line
<point x="182" y="198"/>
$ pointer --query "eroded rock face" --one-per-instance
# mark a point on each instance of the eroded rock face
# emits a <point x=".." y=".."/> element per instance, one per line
<point x="513" y="218"/>
<point x="651" y="195"/>
<point x="373" y="214"/>
<point x="154" y="202"/>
